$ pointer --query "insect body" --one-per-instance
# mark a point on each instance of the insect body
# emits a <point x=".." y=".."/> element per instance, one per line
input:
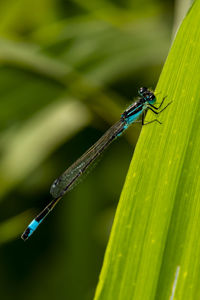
<point x="70" y="177"/>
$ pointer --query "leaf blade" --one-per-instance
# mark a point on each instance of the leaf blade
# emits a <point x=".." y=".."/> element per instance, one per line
<point x="153" y="218"/>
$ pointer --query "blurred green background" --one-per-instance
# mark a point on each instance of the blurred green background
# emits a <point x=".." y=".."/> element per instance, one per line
<point x="67" y="71"/>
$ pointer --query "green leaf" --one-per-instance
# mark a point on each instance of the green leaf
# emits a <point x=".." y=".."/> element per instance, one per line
<point x="154" y="248"/>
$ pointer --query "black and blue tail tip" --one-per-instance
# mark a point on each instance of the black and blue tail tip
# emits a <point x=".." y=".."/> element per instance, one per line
<point x="30" y="229"/>
<point x="25" y="235"/>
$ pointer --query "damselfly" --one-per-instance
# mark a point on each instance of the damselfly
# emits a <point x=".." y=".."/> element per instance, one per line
<point x="70" y="177"/>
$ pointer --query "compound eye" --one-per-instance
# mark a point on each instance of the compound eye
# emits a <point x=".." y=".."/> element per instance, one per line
<point x="142" y="91"/>
<point x="151" y="98"/>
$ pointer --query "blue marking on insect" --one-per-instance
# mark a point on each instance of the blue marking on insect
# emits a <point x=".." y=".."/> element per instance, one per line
<point x="32" y="226"/>
<point x="132" y="108"/>
<point x="133" y="118"/>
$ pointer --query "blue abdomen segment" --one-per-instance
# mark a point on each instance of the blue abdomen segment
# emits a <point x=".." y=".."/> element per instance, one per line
<point x="33" y="225"/>
<point x="30" y="229"/>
